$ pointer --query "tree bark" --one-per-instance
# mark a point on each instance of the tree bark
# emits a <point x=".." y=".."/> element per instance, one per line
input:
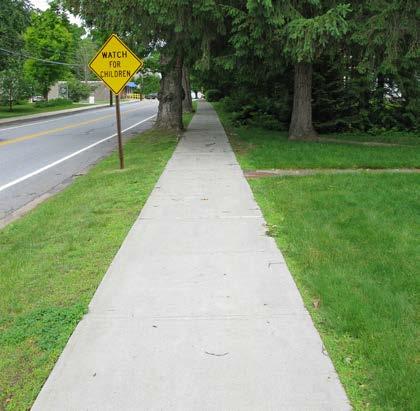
<point x="45" y="93"/>
<point x="301" y="127"/>
<point x="187" y="106"/>
<point x="170" y="94"/>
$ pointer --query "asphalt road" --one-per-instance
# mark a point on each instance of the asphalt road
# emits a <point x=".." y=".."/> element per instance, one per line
<point x="41" y="157"/>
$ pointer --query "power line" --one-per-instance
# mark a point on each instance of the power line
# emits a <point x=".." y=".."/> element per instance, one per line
<point x="38" y="59"/>
<point x="71" y="53"/>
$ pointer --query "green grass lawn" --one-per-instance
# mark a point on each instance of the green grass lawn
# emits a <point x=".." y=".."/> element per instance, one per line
<point x="52" y="260"/>
<point x="187" y="117"/>
<point x="351" y="242"/>
<point x="258" y="148"/>
<point x="30" y="108"/>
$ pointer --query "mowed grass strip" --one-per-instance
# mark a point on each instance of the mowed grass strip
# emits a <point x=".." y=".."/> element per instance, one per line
<point x="258" y="148"/>
<point x="31" y="108"/>
<point x="52" y="260"/>
<point x="352" y="244"/>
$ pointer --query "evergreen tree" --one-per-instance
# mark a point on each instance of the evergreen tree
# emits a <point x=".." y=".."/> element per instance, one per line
<point x="387" y="36"/>
<point x="301" y="31"/>
<point x="177" y="29"/>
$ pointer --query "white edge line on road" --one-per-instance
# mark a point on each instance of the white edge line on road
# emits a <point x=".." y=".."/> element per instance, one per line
<point x="61" y="160"/>
<point x="58" y="116"/>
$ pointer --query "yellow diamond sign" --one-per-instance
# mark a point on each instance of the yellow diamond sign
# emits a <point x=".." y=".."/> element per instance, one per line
<point x="115" y="64"/>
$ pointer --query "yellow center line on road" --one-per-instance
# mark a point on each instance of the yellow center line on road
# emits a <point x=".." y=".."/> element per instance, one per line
<point x="55" y="130"/>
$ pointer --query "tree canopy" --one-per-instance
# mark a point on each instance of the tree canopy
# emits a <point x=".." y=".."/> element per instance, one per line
<point x="356" y="65"/>
<point x="308" y="66"/>
<point x="51" y="42"/>
<point x="14" y="18"/>
<point x="178" y="29"/>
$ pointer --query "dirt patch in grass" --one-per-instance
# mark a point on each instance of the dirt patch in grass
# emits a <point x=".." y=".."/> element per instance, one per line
<point x="362" y="143"/>
<point x="312" y="171"/>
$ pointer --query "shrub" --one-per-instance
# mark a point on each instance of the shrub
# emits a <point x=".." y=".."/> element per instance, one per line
<point x="247" y="108"/>
<point x="78" y="90"/>
<point x="268" y="121"/>
<point x="55" y="102"/>
<point x="213" y="95"/>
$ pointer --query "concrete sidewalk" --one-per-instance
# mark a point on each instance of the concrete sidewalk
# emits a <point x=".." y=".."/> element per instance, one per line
<point x="198" y="310"/>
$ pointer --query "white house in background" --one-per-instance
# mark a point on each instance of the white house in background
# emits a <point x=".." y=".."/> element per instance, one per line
<point x="59" y="90"/>
<point x="100" y="92"/>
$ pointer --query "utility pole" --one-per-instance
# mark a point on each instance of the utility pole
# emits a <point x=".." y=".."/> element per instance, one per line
<point x="120" y="146"/>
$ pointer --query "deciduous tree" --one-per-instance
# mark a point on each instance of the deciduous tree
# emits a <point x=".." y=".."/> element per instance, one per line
<point x="50" y="40"/>
<point x="12" y="85"/>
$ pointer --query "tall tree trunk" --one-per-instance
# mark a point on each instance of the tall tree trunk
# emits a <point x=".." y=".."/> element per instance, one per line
<point x="186" y="85"/>
<point x="301" y="127"/>
<point x="170" y="94"/>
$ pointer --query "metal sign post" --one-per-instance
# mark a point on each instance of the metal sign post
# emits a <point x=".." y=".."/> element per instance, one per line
<point x="115" y="64"/>
<point x="120" y="146"/>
